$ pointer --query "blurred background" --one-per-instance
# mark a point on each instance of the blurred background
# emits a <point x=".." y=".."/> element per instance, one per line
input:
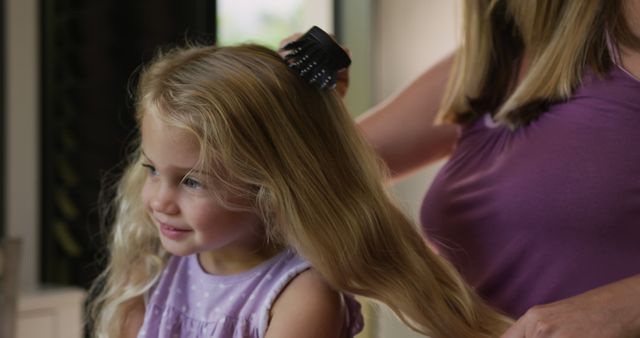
<point x="66" y="114"/>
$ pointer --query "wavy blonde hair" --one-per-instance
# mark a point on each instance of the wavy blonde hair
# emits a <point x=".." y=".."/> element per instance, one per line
<point x="561" y="40"/>
<point x="293" y="152"/>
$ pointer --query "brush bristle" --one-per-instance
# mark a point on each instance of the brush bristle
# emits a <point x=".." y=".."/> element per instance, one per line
<point x="316" y="57"/>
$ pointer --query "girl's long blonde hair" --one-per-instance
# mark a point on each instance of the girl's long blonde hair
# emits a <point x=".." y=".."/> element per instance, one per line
<point x="561" y="39"/>
<point x="295" y="154"/>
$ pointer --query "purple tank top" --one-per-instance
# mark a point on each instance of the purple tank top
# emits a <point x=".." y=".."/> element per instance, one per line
<point x="188" y="302"/>
<point x="550" y="210"/>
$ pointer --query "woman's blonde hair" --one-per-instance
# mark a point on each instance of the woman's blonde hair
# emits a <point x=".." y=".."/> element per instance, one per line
<point x="560" y="39"/>
<point x="294" y="153"/>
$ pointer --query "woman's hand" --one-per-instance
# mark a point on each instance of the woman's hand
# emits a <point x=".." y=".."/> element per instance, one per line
<point x="342" y="80"/>
<point x="609" y="311"/>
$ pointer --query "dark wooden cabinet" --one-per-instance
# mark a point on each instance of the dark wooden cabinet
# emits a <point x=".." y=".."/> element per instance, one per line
<point x="90" y="49"/>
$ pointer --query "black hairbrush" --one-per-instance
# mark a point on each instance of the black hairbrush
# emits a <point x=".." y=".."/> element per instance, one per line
<point x="316" y="57"/>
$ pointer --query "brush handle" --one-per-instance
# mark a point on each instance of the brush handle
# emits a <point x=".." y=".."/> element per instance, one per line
<point x="316" y="57"/>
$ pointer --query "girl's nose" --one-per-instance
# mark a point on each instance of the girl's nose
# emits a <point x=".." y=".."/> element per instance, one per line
<point x="163" y="201"/>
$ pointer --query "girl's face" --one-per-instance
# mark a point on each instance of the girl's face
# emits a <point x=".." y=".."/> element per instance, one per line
<point x="189" y="219"/>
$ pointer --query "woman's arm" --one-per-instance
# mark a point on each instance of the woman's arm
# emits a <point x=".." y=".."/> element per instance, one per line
<point x="612" y="310"/>
<point x="401" y="129"/>
<point x="307" y="308"/>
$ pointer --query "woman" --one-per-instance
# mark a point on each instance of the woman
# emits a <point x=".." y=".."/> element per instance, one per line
<point x="539" y="203"/>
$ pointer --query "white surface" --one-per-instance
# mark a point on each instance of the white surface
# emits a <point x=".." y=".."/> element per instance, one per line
<point x="55" y="313"/>
<point x="22" y="180"/>
<point x="411" y="36"/>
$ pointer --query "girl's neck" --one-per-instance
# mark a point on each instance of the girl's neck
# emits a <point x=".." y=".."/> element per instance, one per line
<point x="236" y="259"/>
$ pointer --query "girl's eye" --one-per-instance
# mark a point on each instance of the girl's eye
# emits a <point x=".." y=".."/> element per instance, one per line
<point x="191" y="183"/>
<point x="151" y="170"/>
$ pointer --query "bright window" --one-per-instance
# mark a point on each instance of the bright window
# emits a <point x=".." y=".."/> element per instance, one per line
<point x="269" y="21"/>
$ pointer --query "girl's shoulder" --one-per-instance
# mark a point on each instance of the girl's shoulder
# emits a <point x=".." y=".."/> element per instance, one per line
<point x="309" y="307"/>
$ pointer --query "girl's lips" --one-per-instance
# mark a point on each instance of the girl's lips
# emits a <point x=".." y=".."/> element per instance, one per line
<point x="173" y="232"/>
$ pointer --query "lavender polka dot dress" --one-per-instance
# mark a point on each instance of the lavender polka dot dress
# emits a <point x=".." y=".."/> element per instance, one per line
<point x="188" y="302"/>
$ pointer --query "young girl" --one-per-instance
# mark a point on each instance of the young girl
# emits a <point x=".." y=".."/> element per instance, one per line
<point x="242" y="169"/>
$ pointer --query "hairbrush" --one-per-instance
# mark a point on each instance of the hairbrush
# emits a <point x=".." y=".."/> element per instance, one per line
<point x="316" y="57"/>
